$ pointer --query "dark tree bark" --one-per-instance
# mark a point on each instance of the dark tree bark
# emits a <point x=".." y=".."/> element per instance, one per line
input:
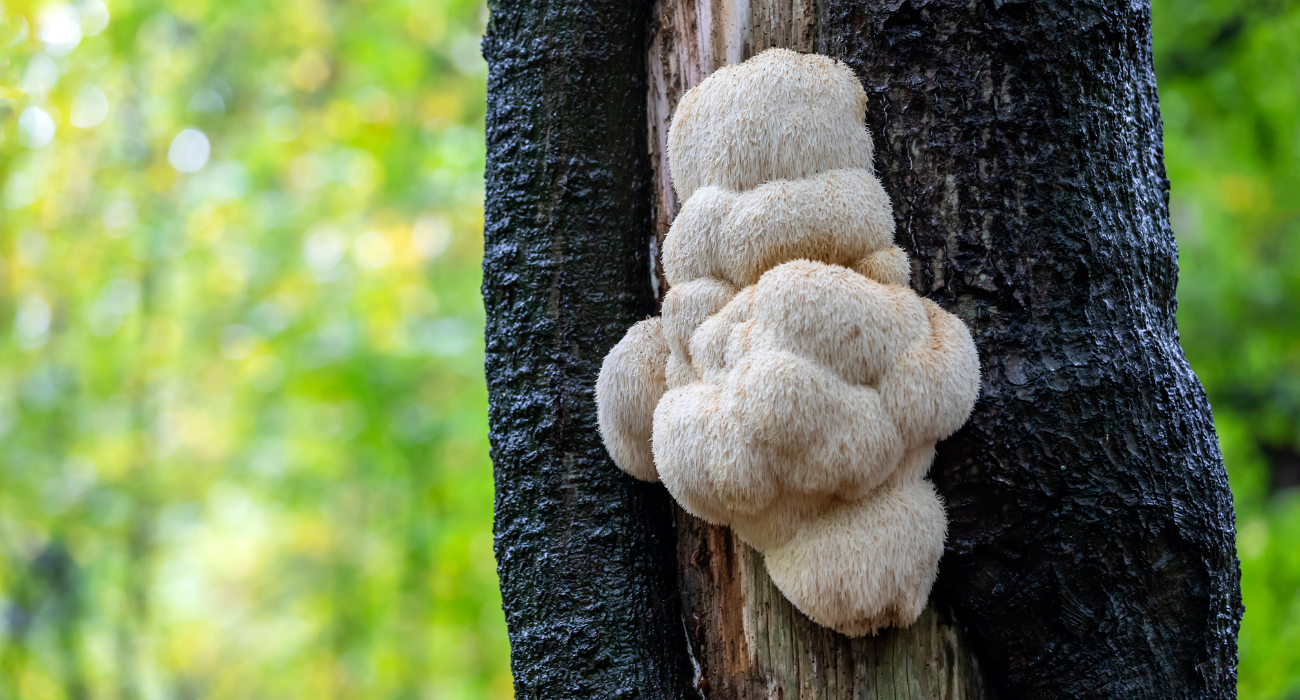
<point x="585" y="553"/>
<point x="1091" y="537"/>
<point x="1090" y="549"/>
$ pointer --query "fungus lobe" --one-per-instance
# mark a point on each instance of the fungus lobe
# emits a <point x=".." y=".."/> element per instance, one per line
<point x="794" y="387"/>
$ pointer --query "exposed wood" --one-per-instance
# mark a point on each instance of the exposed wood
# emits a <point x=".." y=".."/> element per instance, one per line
<point x="751" y="643"/>
<point x="748" y="641"/>
<point x="689" y="39"/>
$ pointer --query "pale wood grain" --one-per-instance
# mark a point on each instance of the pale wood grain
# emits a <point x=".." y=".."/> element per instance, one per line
<point x="747" y="639"/>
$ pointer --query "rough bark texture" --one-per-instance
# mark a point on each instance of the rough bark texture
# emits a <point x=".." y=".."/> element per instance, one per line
<point x="585" y="553"/>
<point x="1090" y="548"/>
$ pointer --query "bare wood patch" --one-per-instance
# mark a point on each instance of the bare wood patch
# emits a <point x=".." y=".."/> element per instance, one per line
<point x="689" y="40"/>
<point x="749" y="640"/>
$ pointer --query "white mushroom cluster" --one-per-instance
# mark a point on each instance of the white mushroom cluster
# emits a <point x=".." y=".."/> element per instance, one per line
<point x="794" y="387"/>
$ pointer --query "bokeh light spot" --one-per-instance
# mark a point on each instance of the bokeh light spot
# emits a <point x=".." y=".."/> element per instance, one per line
<point x="207" y="101"/>
<point x="59" y="28"/>
<point x="189" y="151"/>
<point x="431" y="236"/>
<point x="89" y="108"/>
<point x="94" y="17"/>
<point x="371" y="250"/>
<point x="40" y="76"/>
<point x="32" y="322"/>
<point x="323" y="249"/>
<point x="35" y="127"/>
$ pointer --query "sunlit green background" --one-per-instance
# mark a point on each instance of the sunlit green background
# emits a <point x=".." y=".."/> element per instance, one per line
<point x="242" y="418"/>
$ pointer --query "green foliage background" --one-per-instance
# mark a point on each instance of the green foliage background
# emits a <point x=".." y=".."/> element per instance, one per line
<point x="242" y="419"/>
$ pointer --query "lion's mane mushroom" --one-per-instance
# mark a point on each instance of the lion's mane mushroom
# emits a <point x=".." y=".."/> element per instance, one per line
<point x="794" y="387"/>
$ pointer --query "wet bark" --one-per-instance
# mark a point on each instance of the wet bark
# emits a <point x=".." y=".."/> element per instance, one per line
<point x="1090" y="549"/>
<point x="1091" y="535"/>
<point x="585" y="553"/>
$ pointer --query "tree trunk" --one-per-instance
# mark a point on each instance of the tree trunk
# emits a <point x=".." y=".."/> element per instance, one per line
<point x="1090" y="548"/>
<point x="748" y="640"/>
<point x="1091" y="534"/>
<point x="584" y="552"/>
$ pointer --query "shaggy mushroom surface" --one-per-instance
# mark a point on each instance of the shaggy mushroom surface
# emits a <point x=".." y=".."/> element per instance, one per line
<point x="794" y="387"/>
